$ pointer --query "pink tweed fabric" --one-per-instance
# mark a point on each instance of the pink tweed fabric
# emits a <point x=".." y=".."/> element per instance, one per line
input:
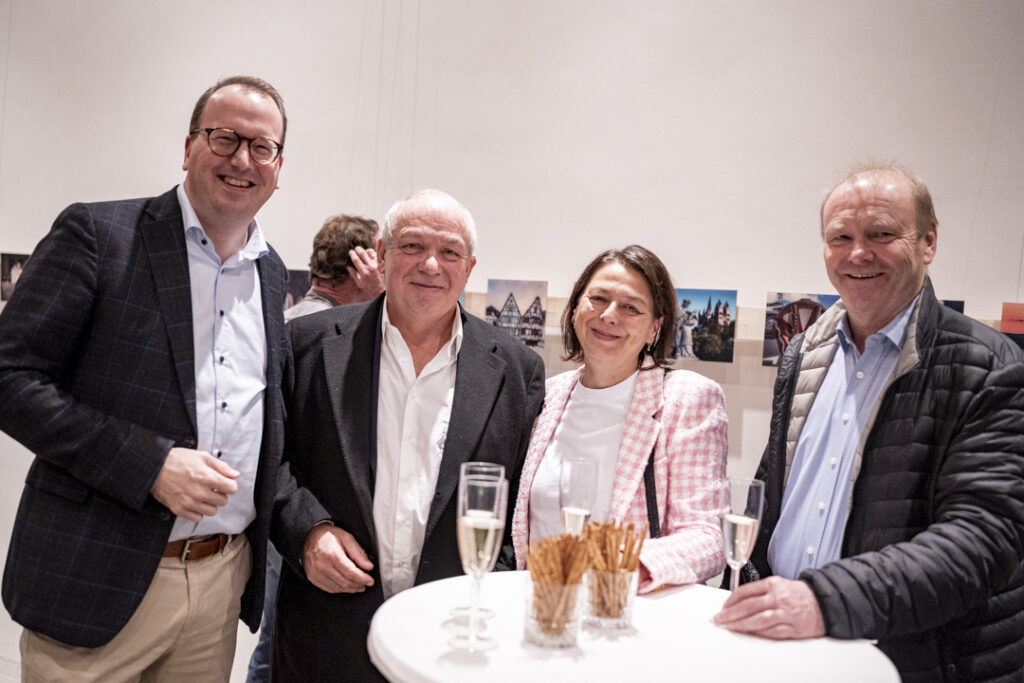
<point x="683" y="414"/>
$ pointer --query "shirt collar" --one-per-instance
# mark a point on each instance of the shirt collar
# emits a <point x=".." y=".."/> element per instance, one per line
<point x="255" y="248"/>
<point x="455" y="341"/>
<point x="894" y="331"/>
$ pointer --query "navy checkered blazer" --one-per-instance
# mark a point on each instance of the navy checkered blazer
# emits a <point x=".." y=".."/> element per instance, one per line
<point x="97" y="380"/>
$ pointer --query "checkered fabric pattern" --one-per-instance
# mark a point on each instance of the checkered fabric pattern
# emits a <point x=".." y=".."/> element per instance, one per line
<point x="97" y="379"/>
<point x="681" y="415"/>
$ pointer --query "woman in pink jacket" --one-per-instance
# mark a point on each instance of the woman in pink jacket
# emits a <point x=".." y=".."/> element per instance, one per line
<point x="641" y="423"/>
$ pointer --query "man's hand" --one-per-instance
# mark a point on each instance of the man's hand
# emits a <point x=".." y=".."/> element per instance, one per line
<point x="774" y="608"/>
<point x="193" y="484"/>
<point x="334" y="561"/>
<point x="365" y="273"/>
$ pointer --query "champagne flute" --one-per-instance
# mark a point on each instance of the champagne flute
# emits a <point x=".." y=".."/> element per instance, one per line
<point x="740" y="523"/>
<point x="577" y="488"/>
<point x="483" y="469"/>
<point x="480" y="526"/>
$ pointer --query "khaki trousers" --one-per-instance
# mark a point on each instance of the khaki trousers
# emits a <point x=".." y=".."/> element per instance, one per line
<point x="184" y="629"/>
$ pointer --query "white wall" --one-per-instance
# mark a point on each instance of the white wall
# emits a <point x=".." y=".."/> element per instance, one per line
<point x="704" y="130"/>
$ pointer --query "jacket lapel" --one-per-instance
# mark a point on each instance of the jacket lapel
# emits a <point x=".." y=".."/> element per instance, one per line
<point x="478" y="375"/>
<point x="638" y="440"/>
<point x="350" y="371"/>
<point x="163" y="235"/>
<point x="555" y="399"/>
<point x="272" y="286"/>
<point x="557" y="391"/>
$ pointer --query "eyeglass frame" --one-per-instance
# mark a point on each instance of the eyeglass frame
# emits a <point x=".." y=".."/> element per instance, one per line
<point x="279" y="148"/>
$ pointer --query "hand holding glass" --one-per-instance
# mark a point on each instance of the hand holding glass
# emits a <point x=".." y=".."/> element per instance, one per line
<point x="740" y="523"/>
<point x="577" y="488"/>
<point x="480" y="525"/>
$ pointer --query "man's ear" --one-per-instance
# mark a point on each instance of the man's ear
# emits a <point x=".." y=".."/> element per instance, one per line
<point x="188" y="147"/>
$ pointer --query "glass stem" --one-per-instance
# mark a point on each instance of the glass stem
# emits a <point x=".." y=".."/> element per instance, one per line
<point x="474" y="602"/>
<point x="734" y="577"/>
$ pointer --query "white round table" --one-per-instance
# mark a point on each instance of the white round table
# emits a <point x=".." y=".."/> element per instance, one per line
<point x="672" y="639"/>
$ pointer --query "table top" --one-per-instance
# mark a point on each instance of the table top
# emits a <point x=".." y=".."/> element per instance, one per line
<point x="672" y="638"/>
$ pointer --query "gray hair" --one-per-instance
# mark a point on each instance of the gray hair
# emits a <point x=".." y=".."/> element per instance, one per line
<point x="429" y="203"/>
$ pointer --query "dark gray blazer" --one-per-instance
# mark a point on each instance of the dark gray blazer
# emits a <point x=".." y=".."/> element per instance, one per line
<point x="330" y="389"/>
<point x="97" y="379"/>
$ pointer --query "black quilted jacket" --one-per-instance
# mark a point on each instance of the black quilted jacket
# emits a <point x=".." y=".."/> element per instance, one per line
<point x="933" y="549"/>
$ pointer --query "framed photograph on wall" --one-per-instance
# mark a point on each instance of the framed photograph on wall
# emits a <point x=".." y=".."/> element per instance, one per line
<point x="786" y="315"/>
<point x="298" y="285"/>
<point x="956" y="304"/>
<point x="1012" y="321"/>
<point x="520" y="308"/>
<point x="705" y="325"/>
<point x="11" y="266"/>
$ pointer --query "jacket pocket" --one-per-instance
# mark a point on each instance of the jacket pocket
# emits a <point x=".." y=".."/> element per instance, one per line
<point x="56" y="480"/>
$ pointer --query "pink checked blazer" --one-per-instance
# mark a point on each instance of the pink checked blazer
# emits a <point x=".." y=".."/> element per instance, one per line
<point x="682" y="416"/>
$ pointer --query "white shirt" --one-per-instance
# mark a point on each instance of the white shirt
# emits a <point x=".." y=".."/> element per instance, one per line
<point x="412" y="424"/>
<point x="591" y="427"/>
<point x="230" y="345"/>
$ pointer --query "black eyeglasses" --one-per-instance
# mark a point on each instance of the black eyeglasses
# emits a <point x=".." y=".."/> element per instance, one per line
<point x="224" y="142"/>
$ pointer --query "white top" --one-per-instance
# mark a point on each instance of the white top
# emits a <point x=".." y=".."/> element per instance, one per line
<point x="672" y="639"/>
<point x="230" y="346"/>
<point x="591" y="427"/>
<point x="412" y="424"/>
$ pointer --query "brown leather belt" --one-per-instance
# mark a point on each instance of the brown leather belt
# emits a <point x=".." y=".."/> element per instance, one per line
<point x="197" y="548"/>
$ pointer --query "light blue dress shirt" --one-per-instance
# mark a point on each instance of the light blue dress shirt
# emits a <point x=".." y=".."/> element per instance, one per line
<point x="816" y="502"/>
<point x="230" y="366"/>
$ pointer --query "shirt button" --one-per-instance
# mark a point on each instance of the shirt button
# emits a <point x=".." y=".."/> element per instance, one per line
<point x="204" y="241"/>
<point x="833" y="462"/>
<point x="219" y="453"/>
<point x="860" y="375"/>
<point x="821" y="506"/>
<point x="846" y="417"/>
<point x="221" y="360"/>
<point x="222" y="314"/>
<point x="224" y="405"/>
<point x="810" y="550"/>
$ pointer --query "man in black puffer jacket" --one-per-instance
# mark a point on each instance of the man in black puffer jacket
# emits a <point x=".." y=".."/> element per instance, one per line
<point x="895" y="467"/>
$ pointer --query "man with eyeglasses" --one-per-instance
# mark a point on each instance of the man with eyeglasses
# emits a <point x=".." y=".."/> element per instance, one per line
<point x="385" y="400"/>
<point x="140" y="361"/>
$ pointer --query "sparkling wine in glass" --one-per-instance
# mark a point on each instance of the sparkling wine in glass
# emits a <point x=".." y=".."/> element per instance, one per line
<point x="483" y="469"/>
<point x="577" y="488"/>
<point x="740" y="523"/>
<point x="480" y="525"/>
